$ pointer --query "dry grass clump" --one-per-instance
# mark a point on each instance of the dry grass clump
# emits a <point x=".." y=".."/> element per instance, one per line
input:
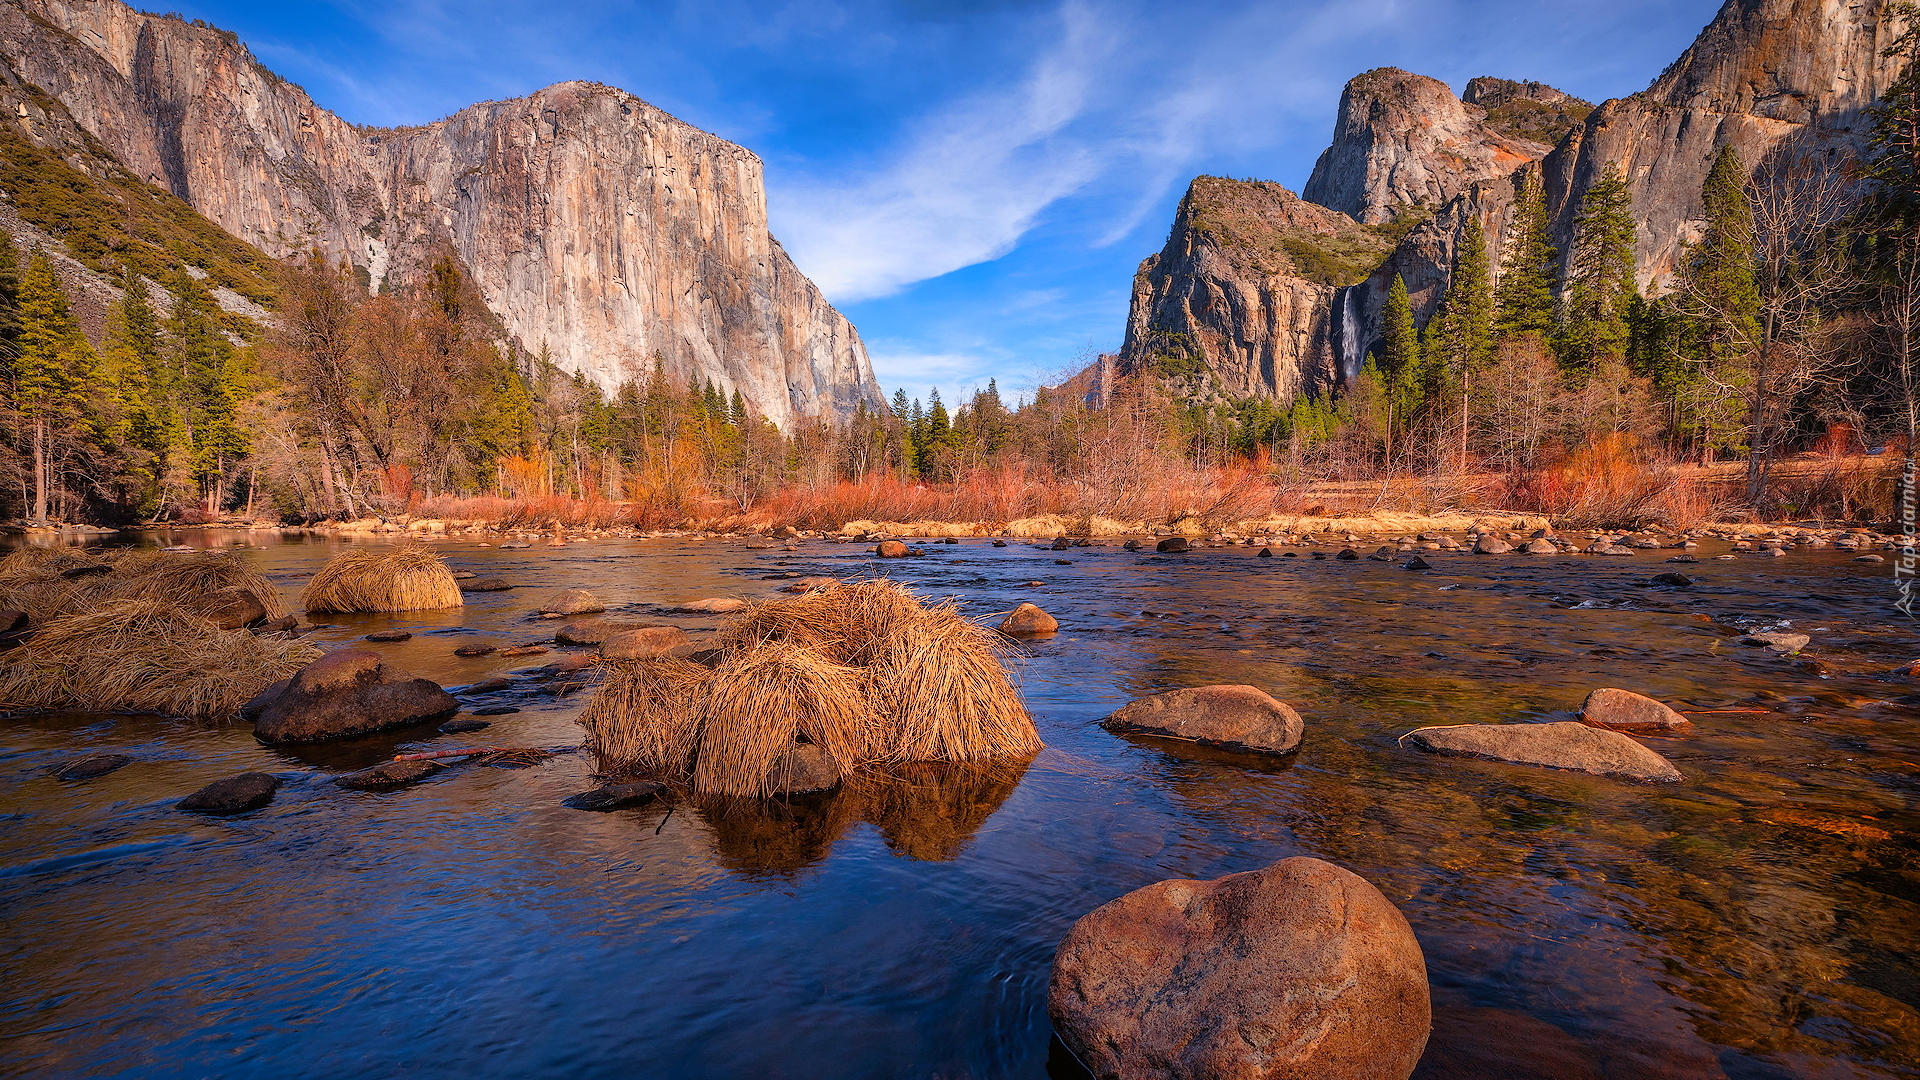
<point x="31" y="581"/>
<point x="404" y="578"/>
<point x="867" y="672"/>
<point x="144" y="655"/>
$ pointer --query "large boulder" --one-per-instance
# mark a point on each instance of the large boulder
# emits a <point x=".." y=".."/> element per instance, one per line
<point x="890" y="549"/>
<point x="1489" y="544"/>
<point x="345" y="693"/>
<point x="1300" y="971"/>
<point x="1173" y="544"/>
<point x="644" y="642"/>
<point x="1566" y="745"/>
<point x="804" y="767"/>
<point x="572" y="602"/>
<point x="1236" y="717"/>
<point x="1028" y="620"/>
<point x="1635" y="714"/>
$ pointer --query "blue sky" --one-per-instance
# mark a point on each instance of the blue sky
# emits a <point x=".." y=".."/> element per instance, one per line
<point x="973" y="183"/>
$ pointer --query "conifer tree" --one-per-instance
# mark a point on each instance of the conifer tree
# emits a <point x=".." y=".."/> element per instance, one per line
<point x="1524" y="303"/>
<point x="1464" y="337"/>
<point x="1400" y="354"/>
<point x="1600" y="274"/>
<point x="50" y="375"/>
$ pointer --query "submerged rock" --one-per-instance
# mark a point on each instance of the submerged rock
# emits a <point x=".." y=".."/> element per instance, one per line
<point x="1635" y="714"/>
<point x="1028" y="620"/>
<point x="643" y="642"/>
<point x="344" y="693"/>
<point x="234" y="795"/>
<point x="1301" y="970"/>
<point x="389" y="635"/>
<point x="478" y="649"/>
<point x="594" y="631"/>
<point x="1778" y="642"/>
<point x="572" y="602"/>
<point x="713" y="605"/>
<point x="389" y="775"/>
<point x="1235" y="717"/>
<point x="485" y="584"/>
<point x="1678" y="581"/>
<point x="91" y="766"/>
<point x="461" y="727"/>
<point x="1566" y="745"/>
<point x="615" y="797"/>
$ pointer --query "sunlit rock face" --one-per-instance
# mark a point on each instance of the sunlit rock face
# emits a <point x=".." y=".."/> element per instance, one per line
<point x="598" y="227"/>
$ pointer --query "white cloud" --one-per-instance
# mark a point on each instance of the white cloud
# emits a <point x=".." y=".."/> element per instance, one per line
<point x="969" y="184"/>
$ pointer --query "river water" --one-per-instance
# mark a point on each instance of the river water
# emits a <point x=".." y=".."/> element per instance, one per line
<point x="1760" y="920"/>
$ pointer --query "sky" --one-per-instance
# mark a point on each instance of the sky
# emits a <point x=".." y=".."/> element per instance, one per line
<point x="972" y="183"/>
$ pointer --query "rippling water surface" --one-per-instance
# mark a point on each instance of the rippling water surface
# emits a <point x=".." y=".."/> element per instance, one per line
<point x="1761" y="920"/>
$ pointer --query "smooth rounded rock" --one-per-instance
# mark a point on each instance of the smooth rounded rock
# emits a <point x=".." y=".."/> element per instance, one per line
<point x="1300" y="971"/>
<point x="712" y="606"/>
<point x="1567" y="745"/>
<point x="230" y="608"/>
<point x="804" y="768"/>
<point x="1235" y="717"/>
<point x="1777" y="641"/>
<point x="1635" y="714"/>
<point x="92" y="765"/>
<point x="345" y="693"/>
<point x="1028" y="620"/>
<point x="1489" y="544"/>
<point x="890" y="549"/>
<point x="1173" y="544"/>
<point x="593" y="631"/>
<point x="234" y="795"/>
<point x="572" y="602"/>
<point x="643" y="642"/>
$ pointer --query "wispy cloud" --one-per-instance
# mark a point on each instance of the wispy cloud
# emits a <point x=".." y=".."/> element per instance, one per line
<point x="967" y="185"/>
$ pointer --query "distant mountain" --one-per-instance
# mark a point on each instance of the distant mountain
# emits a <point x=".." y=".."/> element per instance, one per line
<point x="597" y="227"/>
<point x="1779" y="80"/>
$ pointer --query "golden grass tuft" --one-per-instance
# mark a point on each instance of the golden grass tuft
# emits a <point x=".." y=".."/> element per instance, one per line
<point x="144" y="655"/>
<point x="404" y="578"/>
<point x="761" y="702"/>
<point x="30" y="579"/>
<point x="866" y="671"/>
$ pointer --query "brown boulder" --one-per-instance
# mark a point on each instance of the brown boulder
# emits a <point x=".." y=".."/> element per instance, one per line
<point x="572" y="602"/>
<point x="234" y="795"/>
<point x="1566" y="745"/>
<point x="1028" y="620"/>
<point x="1174" y="544"/>
<point x="388" y="775"/>
<point x="229" y="609"/>
<point x="713" y="606"/>
<point x="593" y="631"/>
<point x="345" y="693"/>
<point x="890" y="549"/>
<point x="806" y="767"/>
<point x="1237" y="717"/>
<point x="1300" y="971"/>
<point x="1624" y="710"/>
<point x="643" y="642"/>
<point x="1489" y="544"/>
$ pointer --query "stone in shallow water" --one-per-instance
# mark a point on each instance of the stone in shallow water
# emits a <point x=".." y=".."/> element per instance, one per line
<point x="572" y="602"/>
<point x="456" y="727"/>
<point x="1173" y="544"/>
<point x="1566" y="745"/>
<point x="389" y="635"/>
<point x="485" y="584"/>
<point x="348" y="692"/>
<point x="615" y="797"/>
<point x="1635" y="714"/>
<point x="1301" y="970"/>
<point x="389" y="775"/>
<point x="234" y="795"/>
<point x="1235" y="717"/>
<point x="91" y="766"/>
<point x="1778" y="642"/>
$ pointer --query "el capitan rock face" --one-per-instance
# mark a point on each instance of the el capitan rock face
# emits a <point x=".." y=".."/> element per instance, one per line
<point x="593" y="223"/>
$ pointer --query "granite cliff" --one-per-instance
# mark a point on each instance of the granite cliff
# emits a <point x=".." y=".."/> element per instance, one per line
<point x="596" y="226"/>
<point x="1782" y="81"/>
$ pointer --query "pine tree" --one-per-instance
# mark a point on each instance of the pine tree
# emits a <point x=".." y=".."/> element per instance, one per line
<point x="1893" y="162"/>
<point x="1600" y="274"/>
<point x="1400" y="354"/>
<point x="1719" y="276"/>
<point x="1524" y="302"/>
<point x="50" y="375"/>
<point x="1464" y="338"/>
<point x="9" y="300"/>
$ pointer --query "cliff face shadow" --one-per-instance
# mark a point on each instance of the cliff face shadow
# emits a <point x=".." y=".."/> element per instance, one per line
<point x="923" y="810"/>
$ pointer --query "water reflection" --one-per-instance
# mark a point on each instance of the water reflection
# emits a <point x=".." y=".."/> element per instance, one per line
<point x="1753" y="923"/>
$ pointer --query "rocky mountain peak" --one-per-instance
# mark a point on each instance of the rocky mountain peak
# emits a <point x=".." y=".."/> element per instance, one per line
<point x="1787" y="60"/>
<point x="1403" y="140"/>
